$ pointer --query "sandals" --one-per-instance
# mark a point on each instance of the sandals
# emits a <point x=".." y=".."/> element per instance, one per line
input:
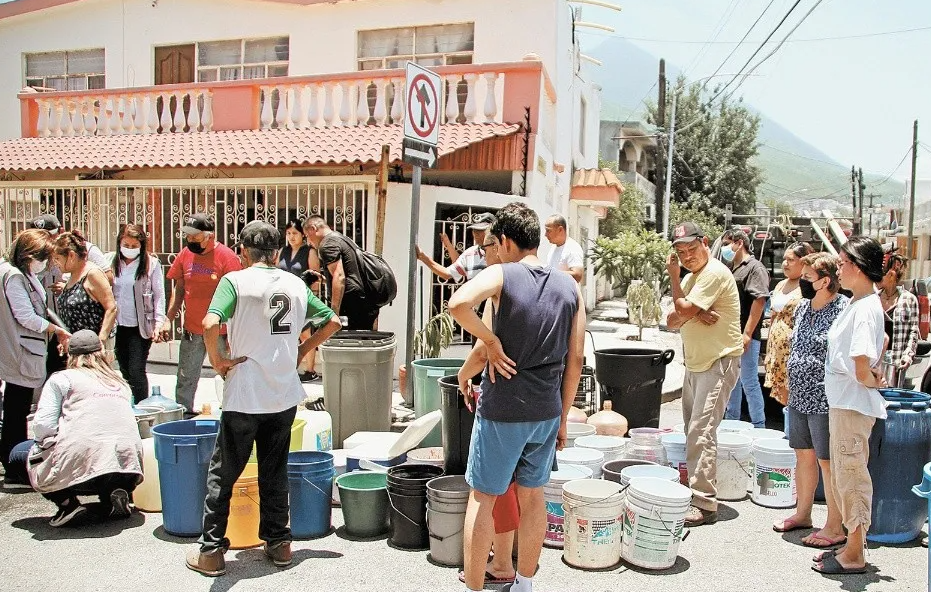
<point x="824" y="543"/>
<point x="788" y="525"/>
<point x="831" y="566"/>
<point x="490" y="579"/>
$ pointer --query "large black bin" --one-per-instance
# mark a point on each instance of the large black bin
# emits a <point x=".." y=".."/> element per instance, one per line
<point x="632" y="379"/>
<point x="457" y="425"/>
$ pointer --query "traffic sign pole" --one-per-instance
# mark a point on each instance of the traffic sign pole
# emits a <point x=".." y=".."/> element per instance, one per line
<point x="412" y="280"/>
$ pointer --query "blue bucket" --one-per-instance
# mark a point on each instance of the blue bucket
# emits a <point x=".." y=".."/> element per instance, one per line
<point x="923" y="490"/>
<point x="310" y="477"/>
<point x="183" y="450"/>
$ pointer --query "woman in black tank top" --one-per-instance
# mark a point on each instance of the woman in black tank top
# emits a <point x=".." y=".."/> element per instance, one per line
<point x="297" y="257"/>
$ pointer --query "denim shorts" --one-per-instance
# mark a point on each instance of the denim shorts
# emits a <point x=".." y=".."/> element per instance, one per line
<point x="502" y="450"/>
<point x="810" y="431"/>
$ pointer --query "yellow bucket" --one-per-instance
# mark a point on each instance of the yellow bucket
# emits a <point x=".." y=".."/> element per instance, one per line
<point x="243" y="527"/>
<point x="297" y="438"/>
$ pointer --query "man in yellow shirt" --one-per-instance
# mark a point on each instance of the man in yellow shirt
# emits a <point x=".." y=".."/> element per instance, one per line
<point x="707" y="313"/>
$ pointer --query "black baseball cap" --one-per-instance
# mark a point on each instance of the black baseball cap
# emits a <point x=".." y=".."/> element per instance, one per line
<point x="482" y="222"/>
<point x="199" y="222"/>
<point x="46" y="222"/>
<point x="686" y="233"/>
<point x="259" y="235"/>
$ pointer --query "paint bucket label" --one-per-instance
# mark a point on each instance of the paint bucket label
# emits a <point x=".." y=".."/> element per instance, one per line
<point x="683" y="468"/>
<point x="325" y="440"/>
<point x="648" y="540"/>
<point x="555" y="524"/>
<point x="774" y="486"/>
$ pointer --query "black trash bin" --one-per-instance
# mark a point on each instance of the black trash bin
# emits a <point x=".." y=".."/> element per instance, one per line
<point x="457" y="425"/>
<point x="632" y="379"/>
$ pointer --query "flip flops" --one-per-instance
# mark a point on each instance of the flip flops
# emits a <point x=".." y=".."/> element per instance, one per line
<point x="788" y="525"/>
<point x="490" y="579"/>
<point x="831" y="566"/>
<point x="824" y="543"/>
<point x="820" y="556"/>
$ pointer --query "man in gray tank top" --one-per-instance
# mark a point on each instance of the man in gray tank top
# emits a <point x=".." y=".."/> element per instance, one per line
<point x="532" y="357"/>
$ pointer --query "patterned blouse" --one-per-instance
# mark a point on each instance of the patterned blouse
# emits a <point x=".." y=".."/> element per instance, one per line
<point x="809" y="351"/>
<point x="78" y="310"/>
<point x="777" y="344"/>
<point x="904" y="338"/>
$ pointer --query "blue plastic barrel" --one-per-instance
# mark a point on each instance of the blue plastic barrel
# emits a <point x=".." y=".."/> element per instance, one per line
<point x="310" y="480"/>
<point x="183" y="449"/>
<point x="923" y="490"/>
<point x="900" y="447"/>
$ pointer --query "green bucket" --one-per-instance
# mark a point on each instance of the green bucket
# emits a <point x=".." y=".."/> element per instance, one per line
<point x="363" y="496"/>
<point x="427" y="395"/>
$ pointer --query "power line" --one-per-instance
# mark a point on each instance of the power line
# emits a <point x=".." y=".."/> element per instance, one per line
<point x="728" y="13"/>
<point x="833" y="164"/>
<point x="894" y="171"/>
<point x="747" y="34"/>
<point x="744" y="41"/>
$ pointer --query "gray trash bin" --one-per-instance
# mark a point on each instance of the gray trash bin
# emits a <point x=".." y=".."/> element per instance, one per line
<point x="358" y="373"/>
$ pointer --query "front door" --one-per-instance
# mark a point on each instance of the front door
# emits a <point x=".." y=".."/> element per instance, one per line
<point x="174" y="64"/>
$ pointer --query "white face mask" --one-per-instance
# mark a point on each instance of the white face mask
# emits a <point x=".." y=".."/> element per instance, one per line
<point x="37" y="267"/>
<point x="130" y="253"/>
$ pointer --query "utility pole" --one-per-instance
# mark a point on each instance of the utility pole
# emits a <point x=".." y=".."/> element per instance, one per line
<point x="911" y="197"/>
<point x="672" y="147"/>
<point x="861" y="186"/>
<point x="660" y="164"/>
<point x="853" y="198"/>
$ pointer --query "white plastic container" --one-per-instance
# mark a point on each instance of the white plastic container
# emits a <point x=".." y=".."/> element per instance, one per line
<point x="365" y="438"/>
<point x="339" y="467"/>
<point x="552" y="494"/>
<point x="759" y="434"/>
<point x="148" y="496"/>
<point x="577" y="430"/>
<point x="611" y="446"/>
<point x="653" y="522"/>
<point x="733" y="465"/>
<point x="585" y="457"/>
<point x="774" y="483"/>
<point x="318" y="430"/>
<point x="674" y="444"/>
<point x="594" y="513"/>
<point x="628" y="474"/>
<point x="733" y="425"/>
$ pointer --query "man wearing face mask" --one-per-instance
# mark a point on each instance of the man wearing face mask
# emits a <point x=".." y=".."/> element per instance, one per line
<point x="196" y="272"/>
<point x="753" y="287"/>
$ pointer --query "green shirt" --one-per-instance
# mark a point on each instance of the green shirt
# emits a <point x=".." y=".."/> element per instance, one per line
<point x="223" y="304"/>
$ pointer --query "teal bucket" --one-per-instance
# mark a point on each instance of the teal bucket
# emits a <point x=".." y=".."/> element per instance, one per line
<point x="427" y="394"/>
<point x="310" y="480"/>
<point x="363" y="496"/>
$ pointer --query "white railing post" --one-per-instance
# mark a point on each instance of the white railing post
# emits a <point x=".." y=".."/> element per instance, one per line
<point x="471" y="109"/>
<point x="114" y="122"/>
<point x="43" y="119"/>
<point x="329" y="109"/>
<point x="452" y="98"/>
<point x="297" y="106"/>
<point x="281" y="113"/>
<point x="381" y="108"/>
<point x="267" y="117"/>
<point x="362" y="103"/>
<point x="193" y="118"/>
<point x="180" y="119"/>
<point x="491" y="108"/>
<point x="397" y="105"/>
<point x="345" y="105"/>
<point x="207" y="118"/>
<point x="313" y="105"/>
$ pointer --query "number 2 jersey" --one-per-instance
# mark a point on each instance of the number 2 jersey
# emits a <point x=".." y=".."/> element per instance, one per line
<point x="265" y="310"/>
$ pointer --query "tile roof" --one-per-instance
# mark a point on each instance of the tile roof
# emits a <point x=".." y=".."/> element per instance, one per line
<point x="296" y="147"/>
<point x="596" y="178"/>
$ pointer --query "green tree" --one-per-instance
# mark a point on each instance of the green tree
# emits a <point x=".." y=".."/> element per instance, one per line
<point x="714" y="150"/>
<point x="631" y="256"/>
<point x="628" y="216"/>
<point x="679" y="213"/>
<point x="780" y="207"/>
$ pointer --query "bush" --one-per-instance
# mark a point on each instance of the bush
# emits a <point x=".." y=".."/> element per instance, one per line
<point x="679" y="213"/>
<point x="631" y="256"/>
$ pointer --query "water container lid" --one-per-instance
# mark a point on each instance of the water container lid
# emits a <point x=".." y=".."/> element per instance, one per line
<point x="591" y="490"/>
<point x="904" y="396"/>
<point x="772" y="445"/>
<point x="569" y="472"/>
<point x="357" y="338"/>
<point x="600" y="442"/>
<point x="673" y="438"/>
<point x="763" y="434"/>
<point x="734" y="425"/>
<point x="732" y="441"/>
<point x="580" y="455"/>
<point x="410" y="438"/>
<point x="653" y="471"/>
<point x="661" y="490"/>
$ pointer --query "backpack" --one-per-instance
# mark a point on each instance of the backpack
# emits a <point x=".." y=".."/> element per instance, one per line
<point x="376" y="276"/>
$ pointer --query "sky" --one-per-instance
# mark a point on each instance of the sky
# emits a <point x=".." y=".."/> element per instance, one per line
<point x="854" y="99"/>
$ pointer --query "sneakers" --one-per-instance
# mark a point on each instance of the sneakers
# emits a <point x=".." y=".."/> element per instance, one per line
<point x="279" y="553"/>
<point x="68" y="513"/>
<point x="210" y="564"/>
<point x="309" y="376"/>
<point x="696" y="517"/>
<point x="119" y="499"/>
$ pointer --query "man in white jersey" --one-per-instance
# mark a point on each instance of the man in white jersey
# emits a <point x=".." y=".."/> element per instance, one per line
<point x="265" y="310"/>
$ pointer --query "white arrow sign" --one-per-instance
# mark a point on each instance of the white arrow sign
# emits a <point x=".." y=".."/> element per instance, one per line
<point x="419" y="154"/>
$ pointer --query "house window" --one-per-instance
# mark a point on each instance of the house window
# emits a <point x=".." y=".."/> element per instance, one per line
<point x="583" y="122"/>
<point x="241" y="59"/>
<point x="66" y="70"/>
<point x="436" y="45"/>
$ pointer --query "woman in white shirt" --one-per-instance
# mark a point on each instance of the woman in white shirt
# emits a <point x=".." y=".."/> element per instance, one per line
<point x="855" y="346"/>
<point x="139" y="289"/>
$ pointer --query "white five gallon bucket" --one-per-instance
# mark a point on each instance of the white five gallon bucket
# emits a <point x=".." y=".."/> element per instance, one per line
<point x="583" y="457"/>
<point x="774" y="476"/>
<point x="674" y="444"/>
<point x="611" y="446"/>
<point x="628" y="474"/>
<point x="654" y="519"/>
<point x="577" y="430"/>
<point x="552" y="495"/>
<point x="733" y="425"/>
<point x="733" y="466"/>
<point x="594" y="513"/>
<point x="759" y="434"/>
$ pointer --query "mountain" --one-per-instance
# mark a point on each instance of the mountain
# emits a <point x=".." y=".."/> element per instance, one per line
<point x="793" y="169"/>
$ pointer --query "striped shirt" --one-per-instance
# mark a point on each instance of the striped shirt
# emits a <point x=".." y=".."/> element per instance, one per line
<point x="468" y="265"/>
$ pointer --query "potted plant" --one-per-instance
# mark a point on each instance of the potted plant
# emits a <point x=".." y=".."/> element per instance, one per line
<point x="436" y="335"/>
<point x="643" y="307"/>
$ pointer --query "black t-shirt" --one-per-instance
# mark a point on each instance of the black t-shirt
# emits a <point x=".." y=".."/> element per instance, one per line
<point x="752" y="283"/>
<point x="337" y="247"/>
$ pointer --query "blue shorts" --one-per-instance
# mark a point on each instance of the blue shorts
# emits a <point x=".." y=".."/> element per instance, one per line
<point x="501" y="451"/>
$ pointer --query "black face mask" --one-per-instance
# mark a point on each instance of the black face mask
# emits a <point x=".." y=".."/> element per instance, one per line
<point x="807" y="288"/>
<point x="196" y="248"/>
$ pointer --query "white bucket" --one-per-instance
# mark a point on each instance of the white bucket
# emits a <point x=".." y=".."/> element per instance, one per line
<point x="611" y="446"/>
<point x="339" y="467"/>
<point x="733" y="466"/>
<point x="759" y="434"/>
<point x="654" y="519"/>
<point x="774" y="482"/>
<point x="552" y="495"/>
<point x="446" y="532"/>
<point x="594" y="514"/>
<point x="674" y="444"/>
<point x="583" y="457"/>
<point x="577" y="430"/>
<point x="733" y="425"/>
<point x="426" y="456"/>
<point x="649" y="471"/>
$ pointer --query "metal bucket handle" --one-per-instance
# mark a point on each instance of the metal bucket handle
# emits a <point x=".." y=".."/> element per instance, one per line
<point x="327" y="494"/>
<point x="408" y="518"/>
<point x="604" y="499"/>
<point x="744" y="468"/>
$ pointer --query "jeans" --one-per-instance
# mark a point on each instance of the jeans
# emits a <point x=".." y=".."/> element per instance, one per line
<point x="132" y="353"/>
<point x="191" y="356"/>
<point x="749" y="385"/>
<point x="17" y="401"/>
<point x="271" y="433"/>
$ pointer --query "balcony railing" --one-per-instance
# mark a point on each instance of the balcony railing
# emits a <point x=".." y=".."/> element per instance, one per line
<point x="477" y="93"/>
<point x="633" y="179"/>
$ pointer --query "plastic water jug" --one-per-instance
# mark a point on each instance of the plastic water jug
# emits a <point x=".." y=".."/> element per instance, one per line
<point x="147" y="496"/>
<point x="318" y="431"/>
<point x="608" y="422"/>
